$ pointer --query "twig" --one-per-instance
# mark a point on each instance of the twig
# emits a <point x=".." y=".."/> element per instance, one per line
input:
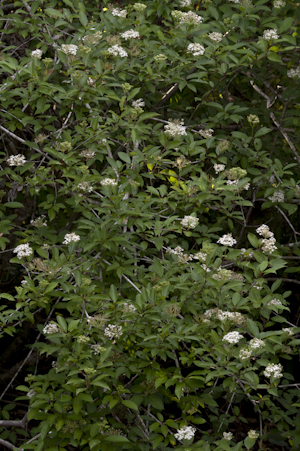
<point x="14" y="423"/>
<point x="283" y="132"/>
<point x="9" y="445"/>
<point x="21" y="140"/>
<point x="127" y="278"/>
<point x="273" y="279"/>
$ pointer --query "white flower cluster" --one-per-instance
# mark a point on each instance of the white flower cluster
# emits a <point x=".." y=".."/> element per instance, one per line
<point x="227" y="240"/>
<point x="235" y="183"/>
<point x="268" y="243"/>
<point x="189" y="222"/>
<point x="279" y="4"/>
<point x="190" y="17"/>
<point x="23" y="250"/>
<point x="275" y="302"/>
<point x="16" y="160"/>
<point x="268" y="246"/>
<point x="185" y="3"/>
<point x="227" y="435"/>
<point x="37" y="54"/>
<point x="278" y="196"/>
<point x="108" y="182"/>
<point x="264" y="231"/>
<point x="160" y="58"/>
<point x="31" y="393"/>
<point x="119" y="12"/>
<point x="256" y="343"/>
<point x="206" y="268"/>
<point x="244" y="354"/>
<point x="85" y="186"/>
<point x="195" y="49"/>
<point x="175" y="128"/>
<point x="112" y="331"/>
<point x="216" y="37"/>
<point x="185" y="433"/>
<point x="273" y="370"/>
<point x="294" y="73"/>
<point x="69" y="49"/>
<point x="71" y="238"/>
<point x="232" y="337"/>
<point x="39" y="222"/>
<point x="96" y="349"/>
<point x="253" y="119"/>
<point x="130" y="34"/>
<point x="87" y="153"/>
<point x="200" y="256"/>
<point x="182" y="257"/>
<point x="222" y="315"/>
<point x="288" y="330"/>
<point x="206" y="133"/>
<point x="128" y="308"/>
<point x="270" y="35"/>
<point x="219" y="168"/>
<point x="117" y="50"/>
<point x="139" y="103"/>
<point x="51" y="328"/>
<point x="253" y="434"/>
<point x="90" y="81"/>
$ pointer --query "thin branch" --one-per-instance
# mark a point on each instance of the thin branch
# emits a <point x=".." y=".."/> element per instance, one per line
<point x="21" y="140"/>
<point x="283" y="132"/>
<point x="8" y="445"/>
<point x="272" y="279"/>
<point x="14" y="423"/>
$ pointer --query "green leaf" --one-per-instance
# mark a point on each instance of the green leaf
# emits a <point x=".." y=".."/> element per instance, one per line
<point x="274" y="57"/>
<point x="286" y="24"/>
<point x="116" y="439"/>
<point x="13" y="205"/>
<point x="130" y="404"/>
<point x="83" y="19"/>
<point x="113" y="293"/>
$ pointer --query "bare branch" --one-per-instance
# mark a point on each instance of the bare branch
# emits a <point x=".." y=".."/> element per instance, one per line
<point x="283" y="132"/>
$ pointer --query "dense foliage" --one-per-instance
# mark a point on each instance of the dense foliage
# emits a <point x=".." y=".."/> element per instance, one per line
<point x="149" y="225"/>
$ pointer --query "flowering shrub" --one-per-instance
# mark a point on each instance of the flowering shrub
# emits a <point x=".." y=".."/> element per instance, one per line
<point x="149" y="225"/>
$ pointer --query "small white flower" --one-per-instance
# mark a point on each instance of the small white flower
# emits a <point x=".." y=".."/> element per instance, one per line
<point x="195" y="49"/>
<point x="264" y="231"/>
<point x="268" y="245"/>
<point x="112" y="331"/>
<point x="275" y="302"/>
<point x="117" y="50"/>
<point x="219" y="168"/>
<point x="190" y="17"/>
<point x="270" y="35"/>
<point x="16" y="160"/>
<point x="23" y="250"/>
<point x="279" y="4"/>
<point x="232" y="337"/>
<point x="37" y="54"/>
<point x="227" y="240"/>
<point x="253" y="434"/>
<point x="256" y="343"/>
<point x="119" y="12"/>
<point x="130" y="34"/>
<point x="139" y="103"/>
<point x="85" y="186"/>
<point x="185" y="433"/>
<point x="39" y="222"/>
<point x="200" y="256"/>
<point x="90" y="81"/>
<point x="71" y="238"/>
<point x="128" y="308"/>
<point x="160" y="58"/>
<point x="294" y="73"/>
<point x="69" y="49"/>
<point x="87" y="154"/>
<point x="206" y="268"/>
<point x="175" y="128"/>
<point x="278" y="196"/>
<point x="253" y="119"/>
<point x="189" y="222"/>
<point x="51" y="328"/>
<point x="31" y="393"/>
<point x="273" y="370"/>
<point x="206" y="133"/>
<point x="185" y="3"/>
<point x="108" y="182"/>
<point x="288" y="330"/>
<point x="245" y="354"/>
<point x="216" y="37"/>
<point x="227" y="435"/>
<point x="97" y="348"/>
